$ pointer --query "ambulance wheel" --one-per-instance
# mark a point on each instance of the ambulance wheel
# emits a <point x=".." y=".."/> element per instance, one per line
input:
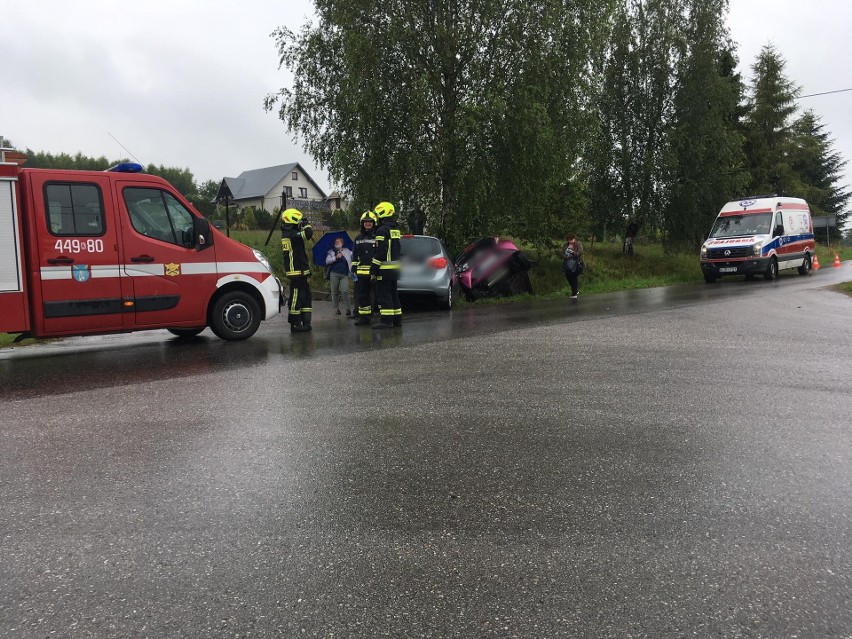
<point x="805" y="268"/>
<point x="185" y="332"/>
<point x="236" y="315"/>
<point x="771" y="270"/>
<point x="709" y="278"/>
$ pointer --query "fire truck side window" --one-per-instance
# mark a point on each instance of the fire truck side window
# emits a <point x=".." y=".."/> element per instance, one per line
<point x="157" y="214"/>
<point x="74" y="209"/>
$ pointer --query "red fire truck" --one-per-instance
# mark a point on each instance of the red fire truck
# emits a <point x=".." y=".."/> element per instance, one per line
<point x="84" y="252"/>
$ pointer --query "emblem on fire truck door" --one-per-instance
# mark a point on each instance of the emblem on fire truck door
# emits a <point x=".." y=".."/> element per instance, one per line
<point x="172" y="269"/>
<point x="80" y="272"/>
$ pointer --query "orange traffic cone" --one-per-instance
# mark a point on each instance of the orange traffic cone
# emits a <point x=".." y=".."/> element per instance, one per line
<point x="815" y="265"/>
<point x="836" y="261"/>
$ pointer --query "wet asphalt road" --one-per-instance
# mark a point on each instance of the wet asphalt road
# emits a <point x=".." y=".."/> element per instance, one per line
<point x="665" y="463"/>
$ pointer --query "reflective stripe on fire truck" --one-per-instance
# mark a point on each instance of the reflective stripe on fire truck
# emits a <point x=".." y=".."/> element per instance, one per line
<point x="144" y="270"/>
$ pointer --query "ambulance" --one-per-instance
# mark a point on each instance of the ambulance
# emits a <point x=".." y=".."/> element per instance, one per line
<point x="86" y="252"/>
<point x="759" y="236"/>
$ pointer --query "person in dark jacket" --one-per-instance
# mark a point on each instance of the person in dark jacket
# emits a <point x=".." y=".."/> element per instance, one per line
<point x="294" y="234"/>
<point x="362" y="261"/>
<point x="385" y="267"/>
<point x="338" y="261"/>
<point x="572" y="262"/>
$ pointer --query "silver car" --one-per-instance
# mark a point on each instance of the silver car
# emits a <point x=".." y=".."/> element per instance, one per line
<point x="427" y="269"/>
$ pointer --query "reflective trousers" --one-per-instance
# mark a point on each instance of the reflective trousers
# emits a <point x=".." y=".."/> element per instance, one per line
<point x="387" y="297"/>
<point x="300" y="301"/>
<point x="363" y="293"/>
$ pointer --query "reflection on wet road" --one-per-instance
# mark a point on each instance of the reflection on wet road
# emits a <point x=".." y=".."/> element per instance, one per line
<point x="115" y="360"/>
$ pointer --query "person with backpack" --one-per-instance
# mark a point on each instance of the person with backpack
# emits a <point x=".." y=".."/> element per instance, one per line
<point x="572" y="262"/>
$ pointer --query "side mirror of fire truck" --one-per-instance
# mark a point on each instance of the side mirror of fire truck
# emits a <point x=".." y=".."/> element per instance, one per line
<point x="201" y="232"/>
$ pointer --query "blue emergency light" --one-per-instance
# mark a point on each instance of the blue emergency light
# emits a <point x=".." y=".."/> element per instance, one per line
<point x="126" y="167"/>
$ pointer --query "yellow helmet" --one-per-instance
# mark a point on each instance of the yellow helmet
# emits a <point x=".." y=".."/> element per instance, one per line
<point x="368" y="216"/>
<point x="384" y="209"/>
<point x="291" y="216"/>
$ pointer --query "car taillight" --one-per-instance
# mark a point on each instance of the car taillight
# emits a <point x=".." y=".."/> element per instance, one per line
<point x="438" y="262"/>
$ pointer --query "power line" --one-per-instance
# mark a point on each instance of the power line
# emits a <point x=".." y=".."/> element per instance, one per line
<point x="823" y="93"/>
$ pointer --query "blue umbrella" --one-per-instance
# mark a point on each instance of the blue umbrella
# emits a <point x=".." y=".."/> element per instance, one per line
<point x="326" y="243"/>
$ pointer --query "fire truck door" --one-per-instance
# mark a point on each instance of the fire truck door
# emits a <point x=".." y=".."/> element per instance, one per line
<point x="172" y="279"/>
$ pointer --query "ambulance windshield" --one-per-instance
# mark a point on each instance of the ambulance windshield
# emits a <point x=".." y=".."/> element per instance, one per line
<point x="740" y="225"/>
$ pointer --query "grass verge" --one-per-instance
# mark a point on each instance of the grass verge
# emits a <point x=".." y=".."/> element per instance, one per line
<point x="845" y="287"/>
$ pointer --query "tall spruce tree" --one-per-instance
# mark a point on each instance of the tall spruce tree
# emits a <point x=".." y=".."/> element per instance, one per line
<point x="819" y="169"/>
<point x="768" y="133"/>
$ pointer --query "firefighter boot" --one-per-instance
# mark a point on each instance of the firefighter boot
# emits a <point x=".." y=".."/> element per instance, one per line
<point x="362" y="320"/>
<point x="299" y="328"/>
<point x="306" y="320"/>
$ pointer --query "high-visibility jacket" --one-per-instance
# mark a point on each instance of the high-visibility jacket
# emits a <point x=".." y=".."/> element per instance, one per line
<point x="293" y="244"/>
<point x="386" y="260"/>
<point x="365" y="250"/>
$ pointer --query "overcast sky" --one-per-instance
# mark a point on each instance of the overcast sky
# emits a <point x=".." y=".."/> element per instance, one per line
<point x="181" y="83"/>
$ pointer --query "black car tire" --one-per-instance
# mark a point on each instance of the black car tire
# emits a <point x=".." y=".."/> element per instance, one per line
<point x="805" y="268"/>
<point x="709" y="278"/>
<point x="771" y="273"/>
<point x="235" y="316"/>
<point x="449" y="299"/>
<point x="186" y="332"/>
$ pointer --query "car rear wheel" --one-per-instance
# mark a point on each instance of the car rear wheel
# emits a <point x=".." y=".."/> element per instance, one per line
<point x="771" y="270"/>
<point x="236" y="315"/>
<point x="185" y="332"/>
<point x="805" y="268"/>
<point x="449" y="299"/>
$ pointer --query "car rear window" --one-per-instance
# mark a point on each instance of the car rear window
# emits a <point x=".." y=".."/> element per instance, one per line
<point x="419" y="248"/>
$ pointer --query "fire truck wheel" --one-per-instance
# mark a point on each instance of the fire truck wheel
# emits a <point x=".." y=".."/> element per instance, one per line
<point x="185" y="332"/>
<point x="709" y="278"/>
<point x="236" y="315"/>
<point x="771" y="270"/>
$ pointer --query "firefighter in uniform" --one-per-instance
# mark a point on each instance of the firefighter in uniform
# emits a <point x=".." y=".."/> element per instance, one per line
<point x="362" y="262"/>
<point x="294" y="234"/>
<point x="385" y="267"/>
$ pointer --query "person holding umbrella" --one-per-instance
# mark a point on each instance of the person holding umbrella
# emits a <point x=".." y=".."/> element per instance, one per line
<point x="338" y="261"/>
<point x="294" y="234"/>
